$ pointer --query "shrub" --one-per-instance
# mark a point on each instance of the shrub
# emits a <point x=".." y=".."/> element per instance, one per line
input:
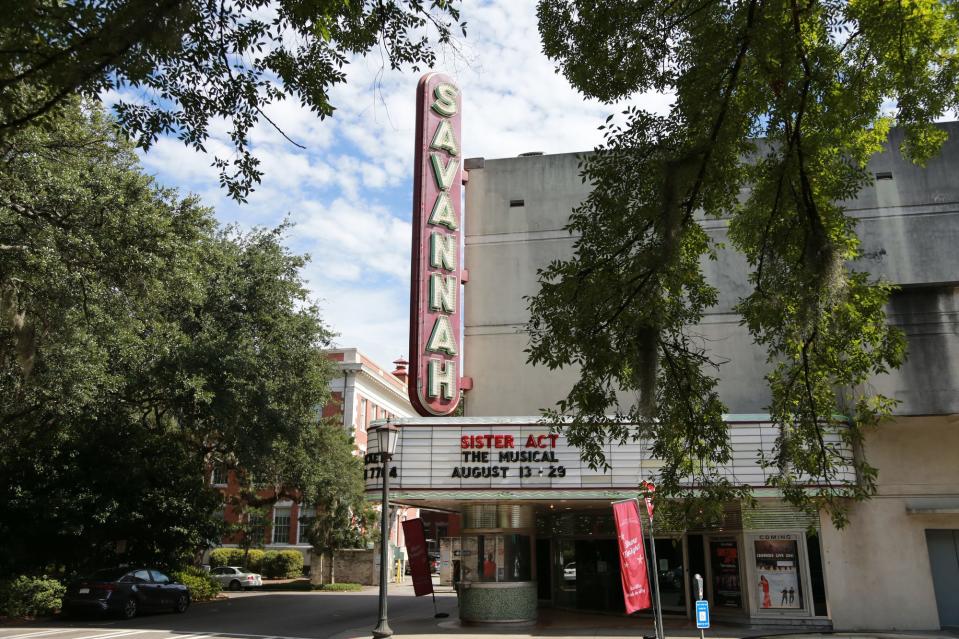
<point x="235" y="556"/>
<point x="221" y="557"/>
<point x="202" y="585"/>
<point x="30" y="596"/>
<point x="341" y="587"/>
<point x="254" y="561"/>
<point x="283" y="564"/>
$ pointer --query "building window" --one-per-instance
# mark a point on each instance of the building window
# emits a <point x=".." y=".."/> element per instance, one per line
<point x="257" y="529"/>
<point x="281" y="525"/>
<point x="304" y="513"/>
<point x="363" y="407"/>
<point x="218" y="476"/>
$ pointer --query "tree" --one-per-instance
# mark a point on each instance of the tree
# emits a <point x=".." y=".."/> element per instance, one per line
<point x="138" y="343"/>
<point x="778" y="105"/>
<point x="249" y="528"/>
<point x="321" y="471"/>
<point x="192" y="62"/>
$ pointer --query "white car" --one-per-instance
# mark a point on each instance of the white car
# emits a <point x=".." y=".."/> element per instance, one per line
<point x="569" y="572"/>
<point x="235" y="578"/>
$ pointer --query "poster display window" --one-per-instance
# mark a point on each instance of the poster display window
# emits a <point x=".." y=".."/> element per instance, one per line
<point x="778" y="572"/>
<point x="495" y="557"/>
<point x="726" y="580"/>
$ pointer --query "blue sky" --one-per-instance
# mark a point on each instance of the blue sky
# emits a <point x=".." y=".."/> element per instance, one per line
<point x="349" y="192"/>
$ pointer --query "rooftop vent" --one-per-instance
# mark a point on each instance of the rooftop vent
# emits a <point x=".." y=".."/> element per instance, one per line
<point x="530" y="154"/>
<point x="884" y="175"/>
<point x="513" y="203"/>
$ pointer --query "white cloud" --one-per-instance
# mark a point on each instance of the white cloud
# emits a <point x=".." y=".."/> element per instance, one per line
<point x="364" y="235"/>
<point x="373" y="320"/>
<point x="348" y="191"/>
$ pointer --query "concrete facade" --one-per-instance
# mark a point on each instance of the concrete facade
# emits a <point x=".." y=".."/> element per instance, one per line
<point x="908" y="223"/>
<point x="877" y="569"/>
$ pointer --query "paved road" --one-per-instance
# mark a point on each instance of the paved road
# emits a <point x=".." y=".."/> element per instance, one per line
<point x="274" y="615"/>
<point x="320" y="615"/>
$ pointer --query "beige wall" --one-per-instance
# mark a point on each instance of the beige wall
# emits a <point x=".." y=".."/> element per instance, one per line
<point x="357" y="566"/>
<point x="877" y="568"/>
<point x="911" y="232"/>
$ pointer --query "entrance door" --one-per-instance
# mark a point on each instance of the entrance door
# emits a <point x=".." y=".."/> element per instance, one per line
<point x="944" y="560"/>
<point x="544" y="575"/>
<point x="598" y="584"/>
<point x="669" y="569"/>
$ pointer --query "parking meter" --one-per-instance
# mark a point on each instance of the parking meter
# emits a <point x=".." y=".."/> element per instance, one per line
<point x="702" y="609"/>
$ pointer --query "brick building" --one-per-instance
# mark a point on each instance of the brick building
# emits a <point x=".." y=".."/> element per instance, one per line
<point x="362" y="391"/>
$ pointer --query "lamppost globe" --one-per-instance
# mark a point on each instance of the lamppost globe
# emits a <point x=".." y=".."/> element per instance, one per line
<point x="387" y="435"/>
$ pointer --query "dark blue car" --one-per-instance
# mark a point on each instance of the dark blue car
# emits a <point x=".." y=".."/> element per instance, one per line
<point x="126" y="592"/>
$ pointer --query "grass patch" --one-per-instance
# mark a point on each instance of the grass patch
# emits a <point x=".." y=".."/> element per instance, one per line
<point x="341" y="587"/>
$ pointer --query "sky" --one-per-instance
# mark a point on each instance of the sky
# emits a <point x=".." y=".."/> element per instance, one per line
<point x="349" y="193"/>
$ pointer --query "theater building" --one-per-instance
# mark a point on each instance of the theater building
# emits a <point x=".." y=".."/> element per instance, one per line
<point x="537" y="527"/>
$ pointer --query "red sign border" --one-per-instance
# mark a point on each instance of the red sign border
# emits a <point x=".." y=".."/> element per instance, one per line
<point x="419" y="330"/>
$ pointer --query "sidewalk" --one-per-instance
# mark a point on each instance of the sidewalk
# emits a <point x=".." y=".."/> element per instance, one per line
<point x="564" y="623"/>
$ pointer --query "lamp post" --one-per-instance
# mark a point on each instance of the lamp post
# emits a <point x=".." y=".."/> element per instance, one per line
<point x="386" y="436"/>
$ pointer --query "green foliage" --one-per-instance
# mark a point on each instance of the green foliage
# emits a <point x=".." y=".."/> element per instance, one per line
<point x="30" y="596"/>
<point x="339" y="587"/>
<point x="778" y="107"/>
<point x="138" y="344"/>
<point x="342" y="518"/>
<point x="251" y="559"/>
<point x="220" y="557"/>
<point x="181" y="65"/>
<point x="249" y="531"/>
<point x="203" y="587"/>
<point x="282" y="564"/>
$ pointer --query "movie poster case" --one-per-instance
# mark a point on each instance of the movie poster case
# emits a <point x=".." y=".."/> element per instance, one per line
<point x="725" y="568"/>
<point x="777" y="574"/>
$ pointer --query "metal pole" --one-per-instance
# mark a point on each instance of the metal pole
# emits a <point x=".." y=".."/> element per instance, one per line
<point x="699" y="589"/>
<point x="658" y="611"/>
<point x="383" y="628"/>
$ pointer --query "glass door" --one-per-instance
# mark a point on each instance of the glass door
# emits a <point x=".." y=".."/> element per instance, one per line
<point x="564" y="571"/>
<point x="669" y="570"/>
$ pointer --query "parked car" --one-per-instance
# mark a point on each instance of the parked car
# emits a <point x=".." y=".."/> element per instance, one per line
<point x="569" y="571"/>
<point x="126" y="592"/>
<point x="434" y="559"/>
<point x="236" y="578"/>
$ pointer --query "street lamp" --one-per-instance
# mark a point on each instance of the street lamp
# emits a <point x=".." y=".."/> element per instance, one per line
<point x="386" y="436"/>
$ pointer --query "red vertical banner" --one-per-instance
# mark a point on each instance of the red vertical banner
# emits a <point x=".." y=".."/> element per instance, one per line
<point x="415" y="535"/>
<point x="632" y="556"/>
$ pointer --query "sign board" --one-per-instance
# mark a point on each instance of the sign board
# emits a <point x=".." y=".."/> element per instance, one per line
<point x="508" y="453"/>
<point x="702" y="614"/>
<point x="435" y="327"/>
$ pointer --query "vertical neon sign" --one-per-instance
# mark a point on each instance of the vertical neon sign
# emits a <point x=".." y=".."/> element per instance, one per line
<point x="435" y="334"/>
